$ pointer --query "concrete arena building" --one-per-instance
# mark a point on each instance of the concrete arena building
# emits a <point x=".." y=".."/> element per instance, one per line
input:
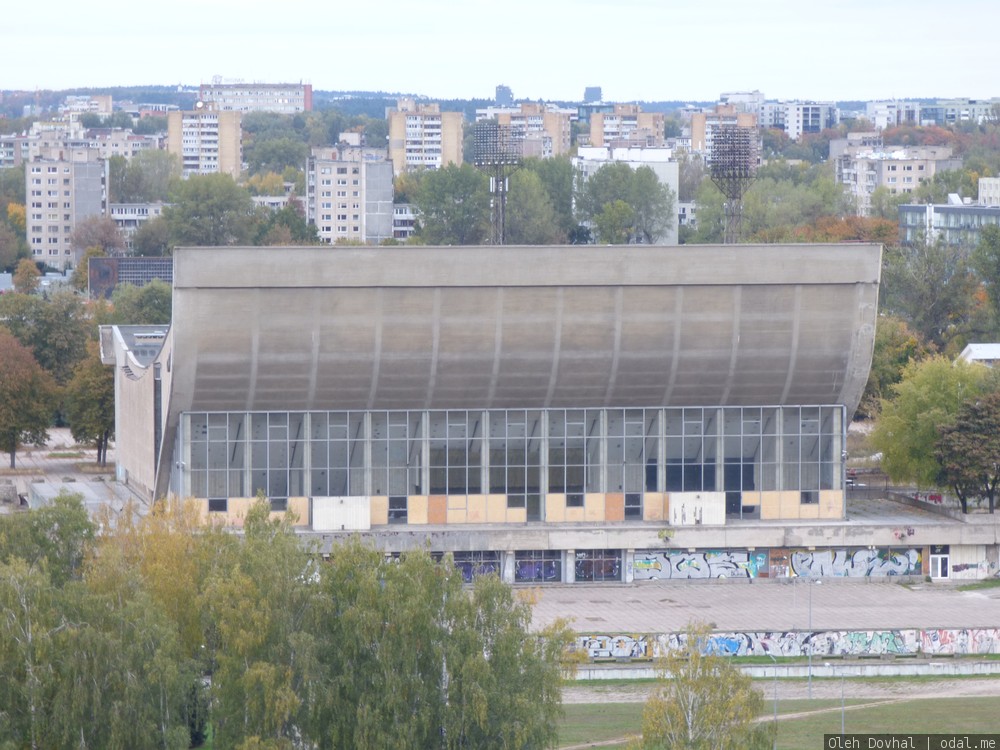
<point x="541" y="411"/>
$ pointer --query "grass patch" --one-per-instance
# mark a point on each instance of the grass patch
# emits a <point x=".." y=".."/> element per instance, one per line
<point x="989" y="583"/>
<point x="599" y="722"/>
<point x="66" y="454"/>
<point x="596" y="722"/>
<point x="924" y="716"/>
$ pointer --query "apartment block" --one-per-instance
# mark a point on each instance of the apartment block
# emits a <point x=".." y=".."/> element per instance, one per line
<point x="129" y="217"/>
<point x="627" y="125"/>
<point x="900" y="170"/>
<point x="349" y="194"/>
<point x="206" y="141"/>
<point x="989" y="191"/>
<point x="61" y="191"/>
<point x="542" y="130"/>
<point x="283" y="98"/>
<point x="892" y="113"/>
<point x="421" y="136"/>
<point x="954" y="223"/>
<point x="704" y="125"/>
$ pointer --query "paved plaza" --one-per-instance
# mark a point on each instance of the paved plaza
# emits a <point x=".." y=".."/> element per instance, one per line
<point x="786" y="604"/>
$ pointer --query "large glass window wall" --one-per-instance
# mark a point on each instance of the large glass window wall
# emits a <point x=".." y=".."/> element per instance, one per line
<point x="522" y="454"/>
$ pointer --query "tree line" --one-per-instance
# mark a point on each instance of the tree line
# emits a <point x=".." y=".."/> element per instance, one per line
<point x="155" y="631"/>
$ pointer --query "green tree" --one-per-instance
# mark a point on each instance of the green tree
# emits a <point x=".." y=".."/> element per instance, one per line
<point x="454" y="206"/>
<point x="12" y="249"/>
<point x="530" y="218"/>
<point x="27" y="397"/>
<point x="147" y="177"/>
<point x="986" y="262"/>
<point x="56" y="538"/>
<point x="703" y="702"/>
<point x="932" y="287"/>
<point x="26" y="276"/>
<point x="929" y="395"/>
<point x="968" y="450"/>
<point x="650" y="203"/>
<point x="273" y="155"/>
<point x="150" y="304"/>
<point x="80" y="279"/>
<point x="614" y="223"/>
<point x="557" y="178"/>
<point x="896" y="345"/>
<point x="56" y="328"/>
<point x="90" y="403"/>
<point x="152" y="239"/>
<point x="209" y="210"/>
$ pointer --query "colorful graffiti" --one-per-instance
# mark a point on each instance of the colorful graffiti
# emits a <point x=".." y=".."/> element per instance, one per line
<point x="650" y="566"/>
<point x="802" y="643"/>
<point x="857" y="563"/>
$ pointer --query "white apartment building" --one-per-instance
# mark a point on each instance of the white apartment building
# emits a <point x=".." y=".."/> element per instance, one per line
<point x="349" y="194"/>
<point x="128" y="217"/>
<point x="891" y="113"/>
<point x="283" y="98"/>
<point x="989" y="191"/>
<point x="206" y="141"/>
<point x="60" y="192"/>
<point x="591" y="158"/>
<point x="797" y="118"/>
<point x="421" y="136"/>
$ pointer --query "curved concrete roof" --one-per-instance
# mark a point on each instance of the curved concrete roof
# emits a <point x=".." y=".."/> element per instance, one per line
<point x="467" y="327"/>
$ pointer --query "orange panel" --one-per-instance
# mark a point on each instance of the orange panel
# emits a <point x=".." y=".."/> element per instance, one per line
<point x="437" y="510"/>
<point x="614" y="506"/>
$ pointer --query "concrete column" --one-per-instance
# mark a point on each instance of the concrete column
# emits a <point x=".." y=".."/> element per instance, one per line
<point x="507" y="566"/>
<point x="569" y="566"/>
<point x="628" y="557"/>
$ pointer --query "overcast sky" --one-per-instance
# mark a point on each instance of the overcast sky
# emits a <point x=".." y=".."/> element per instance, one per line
<point x="689" y="50"/>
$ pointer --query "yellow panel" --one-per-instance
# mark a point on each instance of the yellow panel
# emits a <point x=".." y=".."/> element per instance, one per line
<point x="416" y="510"/>
<point x="751" y="499"/>
<point x="517" y="515"/>
<point x="437" y="510"/>
<point x="299" y="507"/>
<point x="456" y="501"/>
<point x="555" y="508"/>
<point x="808" y="510"/>
<point x="652" y="506"/>
<point x="614" y="506"/>
<point x="496" y="509"/>
<point x="477" y="509"/>
<point x="238" y="507"/>
<point x="789" y="505"/>
<point x="380" y="510"/>
<point x="831" y="504"/>
<point x="593" y="508"/>
<point x="575" y="515"/>
<point x="457" y="515"/>
<point x="770" y="505"/>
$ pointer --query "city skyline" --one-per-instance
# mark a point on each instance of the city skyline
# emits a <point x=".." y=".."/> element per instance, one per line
<point x="634" y="49"/>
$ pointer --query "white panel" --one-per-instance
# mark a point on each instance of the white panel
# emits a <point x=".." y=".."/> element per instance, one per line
<point x="697" y="508"/>
<point x="341" y="514"/>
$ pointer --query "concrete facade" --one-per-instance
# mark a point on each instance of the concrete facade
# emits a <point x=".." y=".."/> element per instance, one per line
<point x="206" y="141"/>
<point x="421" y="136"/>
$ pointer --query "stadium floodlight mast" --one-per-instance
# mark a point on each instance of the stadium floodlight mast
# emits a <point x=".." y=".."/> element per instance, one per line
<point x="498" y="154"/>
<point x="733" y="168"/>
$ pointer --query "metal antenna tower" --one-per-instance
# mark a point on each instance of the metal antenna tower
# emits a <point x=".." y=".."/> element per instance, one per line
<point x="733" y="168"/>
<point x="497" y="154"/>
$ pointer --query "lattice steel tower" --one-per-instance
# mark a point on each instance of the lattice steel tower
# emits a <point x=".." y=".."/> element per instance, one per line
<point x="497" y="154"/>
<point x="733" y="168"/>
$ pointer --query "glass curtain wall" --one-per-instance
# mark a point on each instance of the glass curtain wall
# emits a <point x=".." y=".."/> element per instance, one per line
<point x="522" y="454"/>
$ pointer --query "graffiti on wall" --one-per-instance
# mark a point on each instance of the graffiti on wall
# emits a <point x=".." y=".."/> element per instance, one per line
<point x="857" y="563"/>
<point x="958" y="641"/>
<point x="723" y="564"/>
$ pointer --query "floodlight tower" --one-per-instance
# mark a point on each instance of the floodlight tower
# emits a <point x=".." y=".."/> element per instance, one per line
<point x="733" y="168"/>
<point x="498" y="155"/>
